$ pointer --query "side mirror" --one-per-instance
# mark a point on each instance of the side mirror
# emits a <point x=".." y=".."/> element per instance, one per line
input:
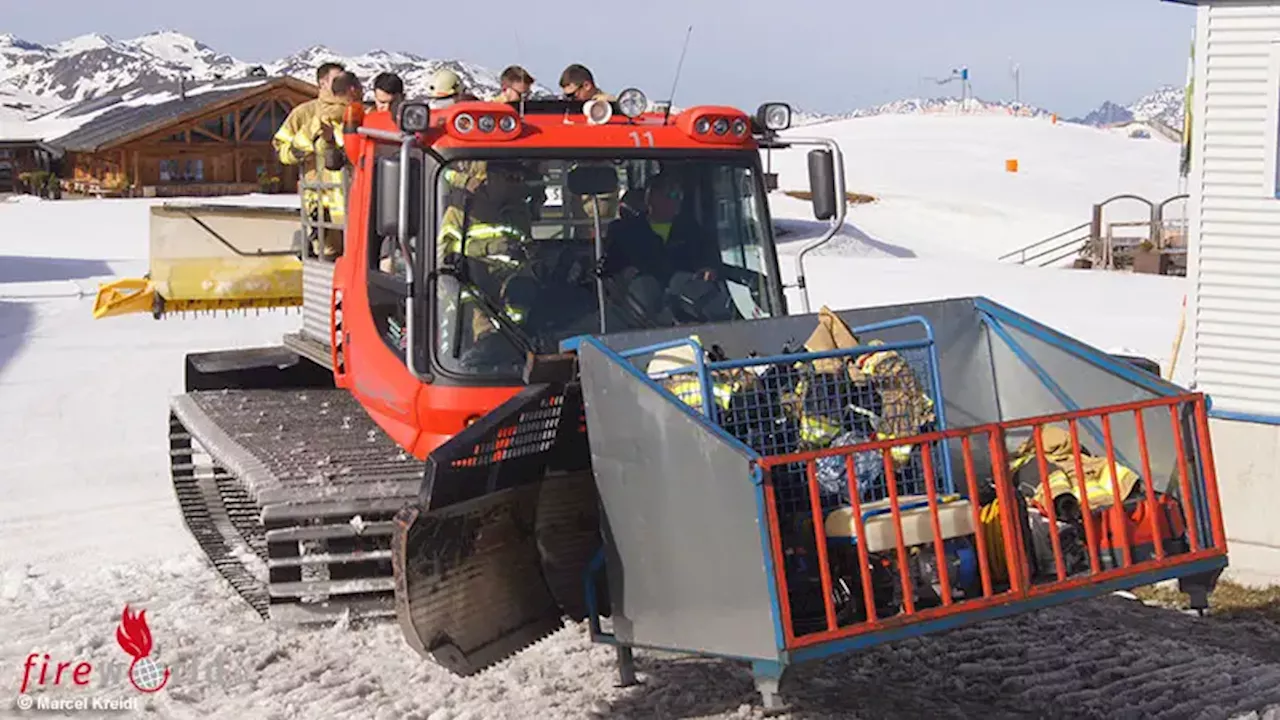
<point x="593" y="180"/>
<point x="386" y="196"/>
<point x="822" y="184"/>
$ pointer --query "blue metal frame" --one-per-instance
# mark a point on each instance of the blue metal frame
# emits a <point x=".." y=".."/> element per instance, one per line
<point x="1090" y="425"/>
<point x="1093" y="356"/>
<point x="1245" y="417"/>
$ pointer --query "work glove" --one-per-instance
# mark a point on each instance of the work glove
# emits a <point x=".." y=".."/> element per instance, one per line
<point x="334" y="159"/>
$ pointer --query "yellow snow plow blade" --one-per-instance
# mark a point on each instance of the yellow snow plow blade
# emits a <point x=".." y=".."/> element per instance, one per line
<point x="213" y="257"/>
<point x="122" y="297"/>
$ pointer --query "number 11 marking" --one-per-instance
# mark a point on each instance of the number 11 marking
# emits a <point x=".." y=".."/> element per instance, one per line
<point x="648" y="136"/>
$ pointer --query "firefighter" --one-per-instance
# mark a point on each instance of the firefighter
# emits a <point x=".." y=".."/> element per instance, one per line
<point x="497" y="226"/>
<point x="516" y="84"/>
<point x="577" y="83"/>
<point x="310" y="129"/>
<point x="444" y="89"/>
<point x="388" y="92"/>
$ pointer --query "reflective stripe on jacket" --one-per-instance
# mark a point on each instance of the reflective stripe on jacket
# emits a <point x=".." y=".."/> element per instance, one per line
<point x="491" y="241"/>
<point x="1062" y="470"/>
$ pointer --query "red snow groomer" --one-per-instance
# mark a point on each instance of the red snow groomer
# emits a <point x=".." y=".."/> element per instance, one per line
<point x="556" y="376"/>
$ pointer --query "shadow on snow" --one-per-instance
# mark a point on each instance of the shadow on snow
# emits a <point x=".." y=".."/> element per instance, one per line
<point x="790" y="231"/>
<point x="16" y="269"/>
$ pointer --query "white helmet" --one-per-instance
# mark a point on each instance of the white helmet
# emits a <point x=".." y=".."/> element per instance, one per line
<point x="445" y="83"/>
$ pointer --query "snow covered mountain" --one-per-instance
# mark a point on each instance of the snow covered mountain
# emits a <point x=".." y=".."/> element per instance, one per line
<point x="415" y="70"/>
<point x="1165" y="105"/>
<point x="36" y="78"/>
<point x="92" y="65"/>
<point x="927" y="106"/>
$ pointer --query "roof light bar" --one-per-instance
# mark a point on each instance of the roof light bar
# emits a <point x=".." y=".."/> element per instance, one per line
<point x="482" y="122"/>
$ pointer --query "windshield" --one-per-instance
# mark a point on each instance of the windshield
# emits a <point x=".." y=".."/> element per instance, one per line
<point x="520" y="268"/>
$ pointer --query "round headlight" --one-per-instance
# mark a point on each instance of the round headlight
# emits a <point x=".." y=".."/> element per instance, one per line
<point x="486" y="123"/>
<point x="632" y="102"/>
<point x="739" y="127"/>
<point x="702" y="126"/>
<point x="507" y="123"/>
<point x="598" y="112"/>
<point x="464" y="123"/>
<point x="721" y="126"/>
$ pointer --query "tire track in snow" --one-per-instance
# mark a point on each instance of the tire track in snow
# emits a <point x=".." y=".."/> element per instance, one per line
<point x="1104" y="658"/>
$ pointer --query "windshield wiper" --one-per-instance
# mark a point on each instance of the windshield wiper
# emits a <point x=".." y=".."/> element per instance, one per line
<point x="506" y="325"/>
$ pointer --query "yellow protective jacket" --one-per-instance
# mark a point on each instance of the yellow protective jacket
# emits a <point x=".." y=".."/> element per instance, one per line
<point x="303" y="130"/>
<point x="490" y="241"/>
<point x="905" y="404"/>
<point x="1062" y="470"/>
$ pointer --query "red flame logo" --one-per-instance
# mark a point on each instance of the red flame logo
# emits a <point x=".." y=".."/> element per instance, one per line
<point x="134" y="637"/>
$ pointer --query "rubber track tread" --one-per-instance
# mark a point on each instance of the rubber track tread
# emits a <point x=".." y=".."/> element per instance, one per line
<point x="307" y="458"/>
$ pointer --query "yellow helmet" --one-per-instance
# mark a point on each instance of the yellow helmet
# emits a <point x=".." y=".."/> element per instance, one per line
<point x="445" y="83"/>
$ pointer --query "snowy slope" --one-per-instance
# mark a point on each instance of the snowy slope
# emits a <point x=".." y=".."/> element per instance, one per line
<point x="89" y="521"/>
<point x="943" y="190"/>
<point x="928" y="106"/>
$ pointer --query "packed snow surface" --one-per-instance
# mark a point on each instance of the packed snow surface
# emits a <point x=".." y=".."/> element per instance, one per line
<point x="89" y="522"/>
<point x="943" y="189"/>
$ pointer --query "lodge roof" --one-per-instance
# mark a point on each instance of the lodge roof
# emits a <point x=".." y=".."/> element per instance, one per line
<point x="108" y="121"/>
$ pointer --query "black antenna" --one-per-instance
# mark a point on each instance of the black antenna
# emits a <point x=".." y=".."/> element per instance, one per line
<point x="676" y="81"/>
<point x="519" y="61"/>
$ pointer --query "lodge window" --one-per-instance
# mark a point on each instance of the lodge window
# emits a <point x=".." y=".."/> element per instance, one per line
<point x="191" y="170"/>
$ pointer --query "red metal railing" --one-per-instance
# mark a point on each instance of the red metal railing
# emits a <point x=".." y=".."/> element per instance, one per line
<point x="1193" y="484"/>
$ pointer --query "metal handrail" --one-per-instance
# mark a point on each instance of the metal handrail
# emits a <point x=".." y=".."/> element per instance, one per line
<point x="1022" y="251"/>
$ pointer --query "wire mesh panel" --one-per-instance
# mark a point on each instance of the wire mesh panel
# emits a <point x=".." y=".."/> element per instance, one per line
<point x="806" y="401"/>
<point x="797" y="402"/>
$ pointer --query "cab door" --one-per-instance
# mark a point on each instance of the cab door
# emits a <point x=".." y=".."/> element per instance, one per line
<point x="375" y="305"/>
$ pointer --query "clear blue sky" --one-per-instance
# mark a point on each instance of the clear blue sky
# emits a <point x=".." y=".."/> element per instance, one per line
<point x="825" y="55"/>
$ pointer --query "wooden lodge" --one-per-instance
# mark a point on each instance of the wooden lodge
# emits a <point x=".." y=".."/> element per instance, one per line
<point x="212" y="139"/>
<point x="21" y="159"/>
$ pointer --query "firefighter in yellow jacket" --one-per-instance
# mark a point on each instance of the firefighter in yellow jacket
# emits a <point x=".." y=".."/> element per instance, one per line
<point x="497" y="227"/>
<point x="308" y="132"/>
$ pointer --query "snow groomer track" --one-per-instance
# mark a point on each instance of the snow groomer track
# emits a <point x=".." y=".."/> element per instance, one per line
<point x="295" y="486"/>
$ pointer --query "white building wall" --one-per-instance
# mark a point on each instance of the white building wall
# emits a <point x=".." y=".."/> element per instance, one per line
<point x="1234" y="265"/>
<point x="1234" y="270"/>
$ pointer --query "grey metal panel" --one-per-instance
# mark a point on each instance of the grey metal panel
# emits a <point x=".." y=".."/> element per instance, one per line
<point x="1023" y="394"/>
<point x="685" y="561"/>
<point x="317" y="286"/>
<point x="128" y="120"/>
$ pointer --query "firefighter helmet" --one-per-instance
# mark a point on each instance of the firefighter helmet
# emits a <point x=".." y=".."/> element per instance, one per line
<point x="445" y="83"/>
